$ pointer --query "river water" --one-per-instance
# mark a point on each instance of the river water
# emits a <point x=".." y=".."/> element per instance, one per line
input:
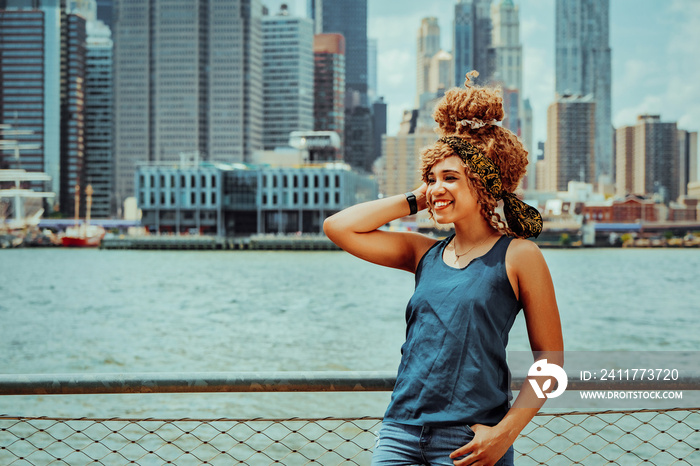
<point x="97" y="311"/>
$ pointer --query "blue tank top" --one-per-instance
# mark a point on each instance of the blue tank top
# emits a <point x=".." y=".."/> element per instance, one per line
<point x="453" y="364"/>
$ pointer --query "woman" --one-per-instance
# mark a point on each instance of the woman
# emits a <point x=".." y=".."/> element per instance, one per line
<point x="451" y="401"/>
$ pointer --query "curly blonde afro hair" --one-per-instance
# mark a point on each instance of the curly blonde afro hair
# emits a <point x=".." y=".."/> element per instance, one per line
<point x="500" y="145"/>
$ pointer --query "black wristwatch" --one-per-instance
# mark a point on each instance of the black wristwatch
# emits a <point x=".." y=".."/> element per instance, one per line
<point x="411" y="198"/>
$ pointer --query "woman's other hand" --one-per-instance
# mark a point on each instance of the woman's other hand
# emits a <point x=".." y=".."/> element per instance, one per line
<point x="486" y="448"/>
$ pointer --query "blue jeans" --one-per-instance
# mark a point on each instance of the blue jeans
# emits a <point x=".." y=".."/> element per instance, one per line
<point x="406" y="445"/>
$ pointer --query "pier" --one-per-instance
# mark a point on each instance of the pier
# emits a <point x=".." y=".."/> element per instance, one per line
<point x="197" y="242"/>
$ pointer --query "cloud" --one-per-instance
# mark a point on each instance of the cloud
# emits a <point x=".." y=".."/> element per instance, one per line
<point x="529" y="27"/>
<point x="665" y="84"/>
<point x="395" y="67"/>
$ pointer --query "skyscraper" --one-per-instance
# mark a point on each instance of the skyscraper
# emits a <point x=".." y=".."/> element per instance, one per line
<point x="583" y="67"/>
<point x="570" y="149"/>
<point x="530" y="180"/>
<point x="648" y="158"/>
<point x="30" y="94"/>
<point x="508" y="51"/>
<point x="288" y="77"/>
<point x="511" y="108"/>
<point x="428" y="44"/>
<point x="329" y="83"/>
<point x="314" y="10"/>
<point x="624" y="160"/>
<point x="372" y="51"/>
<point x="687" y="162"/>
<point x="349" y="18"/>
<point x="105" y="12"/>
<point x="42" y="72"/>
<point x="693" y="157"/>
<point x="359" y="142"/>
<point x="99" y="106"/>
<point x="73" y="44"/>
<point x="188" y="78"/>
<point x="472" y="40"/>
<point x="440" y="73"/>
<point x="379" y="108"/>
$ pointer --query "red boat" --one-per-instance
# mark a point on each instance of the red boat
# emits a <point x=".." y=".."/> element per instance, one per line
<point x="85" y="235"/>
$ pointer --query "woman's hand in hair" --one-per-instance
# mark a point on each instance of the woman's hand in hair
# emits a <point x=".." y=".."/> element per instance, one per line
<point x="420" y="197"/>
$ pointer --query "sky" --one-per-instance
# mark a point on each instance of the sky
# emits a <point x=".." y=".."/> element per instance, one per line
<point x="655" y="47"/>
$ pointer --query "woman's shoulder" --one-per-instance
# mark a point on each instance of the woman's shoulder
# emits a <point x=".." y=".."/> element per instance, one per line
<point x="523" y="252"/>
<point x="524" y="245"/>
<point x="524" y="262"/>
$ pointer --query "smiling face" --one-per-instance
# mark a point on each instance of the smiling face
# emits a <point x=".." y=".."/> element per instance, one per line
<point x="450" y="195"/>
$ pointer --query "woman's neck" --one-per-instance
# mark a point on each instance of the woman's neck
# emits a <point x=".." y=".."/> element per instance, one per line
<point x="473" y="231"/>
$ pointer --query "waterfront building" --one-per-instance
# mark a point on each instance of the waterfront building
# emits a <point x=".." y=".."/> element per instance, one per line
<point x="288" y="77"/>
<point x="648" y="154"/>
<point x="582" y="61"/>
<point x="570" y="150"/>
<point x="99" y="105"/>
<point x="685" y="210"/>
<point x="329" y="84"/>
<point x="631" y="209"/>
<point x="236" y="199"/>
<point x="472" y="48"/>
<point x="188" y="78"/>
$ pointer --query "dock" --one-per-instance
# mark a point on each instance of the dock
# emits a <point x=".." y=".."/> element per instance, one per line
<point x="200" y="242"/>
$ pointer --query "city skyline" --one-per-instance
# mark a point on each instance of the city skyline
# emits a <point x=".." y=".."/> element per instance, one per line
<point x="650" y="43"/>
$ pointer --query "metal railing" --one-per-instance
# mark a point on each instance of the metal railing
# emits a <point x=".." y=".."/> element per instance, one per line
<point x="659" y="436"/>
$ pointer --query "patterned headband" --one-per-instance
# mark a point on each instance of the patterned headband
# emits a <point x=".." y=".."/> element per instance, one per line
<point x="524" y="220"/>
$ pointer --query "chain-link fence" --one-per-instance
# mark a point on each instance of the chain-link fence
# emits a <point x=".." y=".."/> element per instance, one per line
<point x="40" y="441"/>
<point x="659" y="436"/>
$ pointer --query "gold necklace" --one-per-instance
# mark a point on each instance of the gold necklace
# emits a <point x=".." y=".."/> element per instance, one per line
<point x="454" y="247"/>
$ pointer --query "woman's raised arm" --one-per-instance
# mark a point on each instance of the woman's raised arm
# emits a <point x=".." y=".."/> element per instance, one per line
<point x="356" y="230"/>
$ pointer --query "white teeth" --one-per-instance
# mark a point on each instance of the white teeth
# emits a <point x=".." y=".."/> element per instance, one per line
<point x="442" y="203"/>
